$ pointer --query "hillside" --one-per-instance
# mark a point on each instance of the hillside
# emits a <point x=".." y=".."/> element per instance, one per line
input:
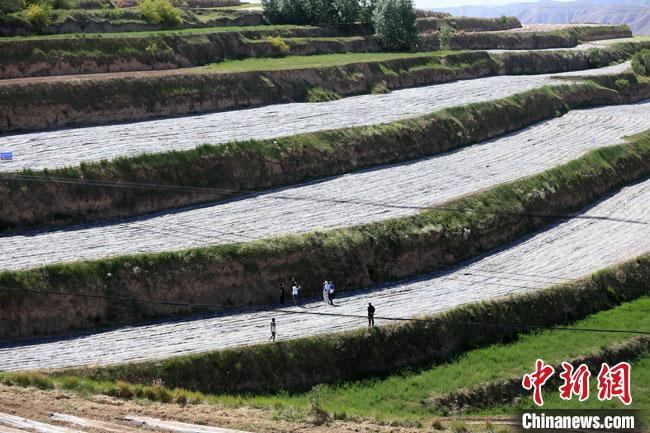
<point x="635" y="13"/>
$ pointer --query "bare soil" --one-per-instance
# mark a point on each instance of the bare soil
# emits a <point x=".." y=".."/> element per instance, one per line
<point x="37" y="405"/>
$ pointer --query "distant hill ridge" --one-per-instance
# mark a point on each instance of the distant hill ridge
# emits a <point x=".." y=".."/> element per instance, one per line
<point x="635" y="13"/>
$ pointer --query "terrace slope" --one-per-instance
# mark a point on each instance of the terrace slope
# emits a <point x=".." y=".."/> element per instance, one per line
<point x="565" y="251"/>
<point x="360" y="197"/>
<point x="61" y="148"/>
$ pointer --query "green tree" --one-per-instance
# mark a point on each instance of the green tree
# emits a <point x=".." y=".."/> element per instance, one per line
<point x="346" y="11"/>
<point x="394" y="23"/>
<point x="445" y="37"/>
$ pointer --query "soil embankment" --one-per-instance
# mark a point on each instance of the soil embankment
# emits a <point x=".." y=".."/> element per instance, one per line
<point x="93" y="54"/>
<point x="247" y="274"/>
<point x="297" y="364"/>
<point x="88" y="193"/>
<point x="63" y="102"/>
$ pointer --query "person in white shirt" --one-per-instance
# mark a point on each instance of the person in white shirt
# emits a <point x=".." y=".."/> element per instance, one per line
<point x="330" y="292"/>
<point x="294" y="293"/>
<point x="326" y="292"/>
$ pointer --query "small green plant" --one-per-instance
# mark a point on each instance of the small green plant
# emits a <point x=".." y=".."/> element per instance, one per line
<point x="38" y="15"/>
<point x="160" y="12"/>
<point x="319" y="415"/>
<point x="279" y="45"/>
<point x="503" y="20"/>
<point x="380" y="88"/>
<point x="445" y="37"/>
<point x="318" y="94"/>
<point x="595" y="57"/>
<point x="622" y="83"/>
<point x="458" y="426"/>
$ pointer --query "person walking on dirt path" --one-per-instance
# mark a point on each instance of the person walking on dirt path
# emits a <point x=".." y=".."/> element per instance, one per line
<point x="330" y="292"/>
<point x="281" y="293"/>
<point x="295" y="290"/>
<point x="371" y="314"/>
<point x="272" y="330"/>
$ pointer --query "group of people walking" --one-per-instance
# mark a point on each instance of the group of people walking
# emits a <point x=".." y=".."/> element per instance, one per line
<point x="329" y="292"/>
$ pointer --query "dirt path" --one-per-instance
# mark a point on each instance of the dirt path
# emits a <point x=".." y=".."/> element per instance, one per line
<point x="361" y="197"/>
<point x="568" y="250"/>
<point x="38" y="405"/>
<point x="67" y="147"/>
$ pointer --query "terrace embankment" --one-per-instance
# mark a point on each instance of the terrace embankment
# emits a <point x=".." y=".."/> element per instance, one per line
<point x="297" y="364"/>
<point x="110" y="20"/>
<point x="33" y="57"/>
<point x="467" y="24"/>
<point x="33" y="104"/>
<point x="89" y="192"/>
<point x="103" y="292"/>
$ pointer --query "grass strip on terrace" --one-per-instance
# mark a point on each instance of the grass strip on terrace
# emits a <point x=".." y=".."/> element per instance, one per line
<point x="315" y="61"/>
<point x="400" y="396"/>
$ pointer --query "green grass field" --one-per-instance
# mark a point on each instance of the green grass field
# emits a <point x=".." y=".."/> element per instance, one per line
<point x="315" y="61"/>
<point x="401" y="396"/>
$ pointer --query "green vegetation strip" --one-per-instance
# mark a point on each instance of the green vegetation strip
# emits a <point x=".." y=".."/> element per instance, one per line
<point x="316" y="61"/>
<point x="297" y="364"/>
<point x="174" y="32"/>
<point x="245" y="274"/>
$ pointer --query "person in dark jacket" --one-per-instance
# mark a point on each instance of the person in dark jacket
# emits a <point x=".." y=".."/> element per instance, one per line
<point x="281" y="294"/>
<point x="371" y="314"/>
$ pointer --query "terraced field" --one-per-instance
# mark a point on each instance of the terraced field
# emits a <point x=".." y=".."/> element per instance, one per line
<point x="71" y="146"/>
<point x="565" y="251"/>
<point x="361" y="197"/>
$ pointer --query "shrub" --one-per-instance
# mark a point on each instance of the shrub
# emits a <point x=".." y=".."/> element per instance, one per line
<point x="641" y="62"/>
<point x="9" y="6"/>
<point x="160" y="11"/>
<point x="445" y="37"/>
<point x="278" y="44"/>
<point x="316" y="397"/>
<point x="595" y="57"/>
<point x="394" y="23"/>
<point x="503" y="20"/>
<point x="38" y="15"/>
<point x="622" y="83"/>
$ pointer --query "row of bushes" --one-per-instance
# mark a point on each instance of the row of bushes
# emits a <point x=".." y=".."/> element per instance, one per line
<point x="38" y="13"/>
<point x="248" y="273"/>
<point x="393" y="20"/>
<point x="147" y="16"/>
<point x="297" y="365"/>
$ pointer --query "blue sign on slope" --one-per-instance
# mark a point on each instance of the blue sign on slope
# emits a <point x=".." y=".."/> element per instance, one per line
<point x="6" y="156"/>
